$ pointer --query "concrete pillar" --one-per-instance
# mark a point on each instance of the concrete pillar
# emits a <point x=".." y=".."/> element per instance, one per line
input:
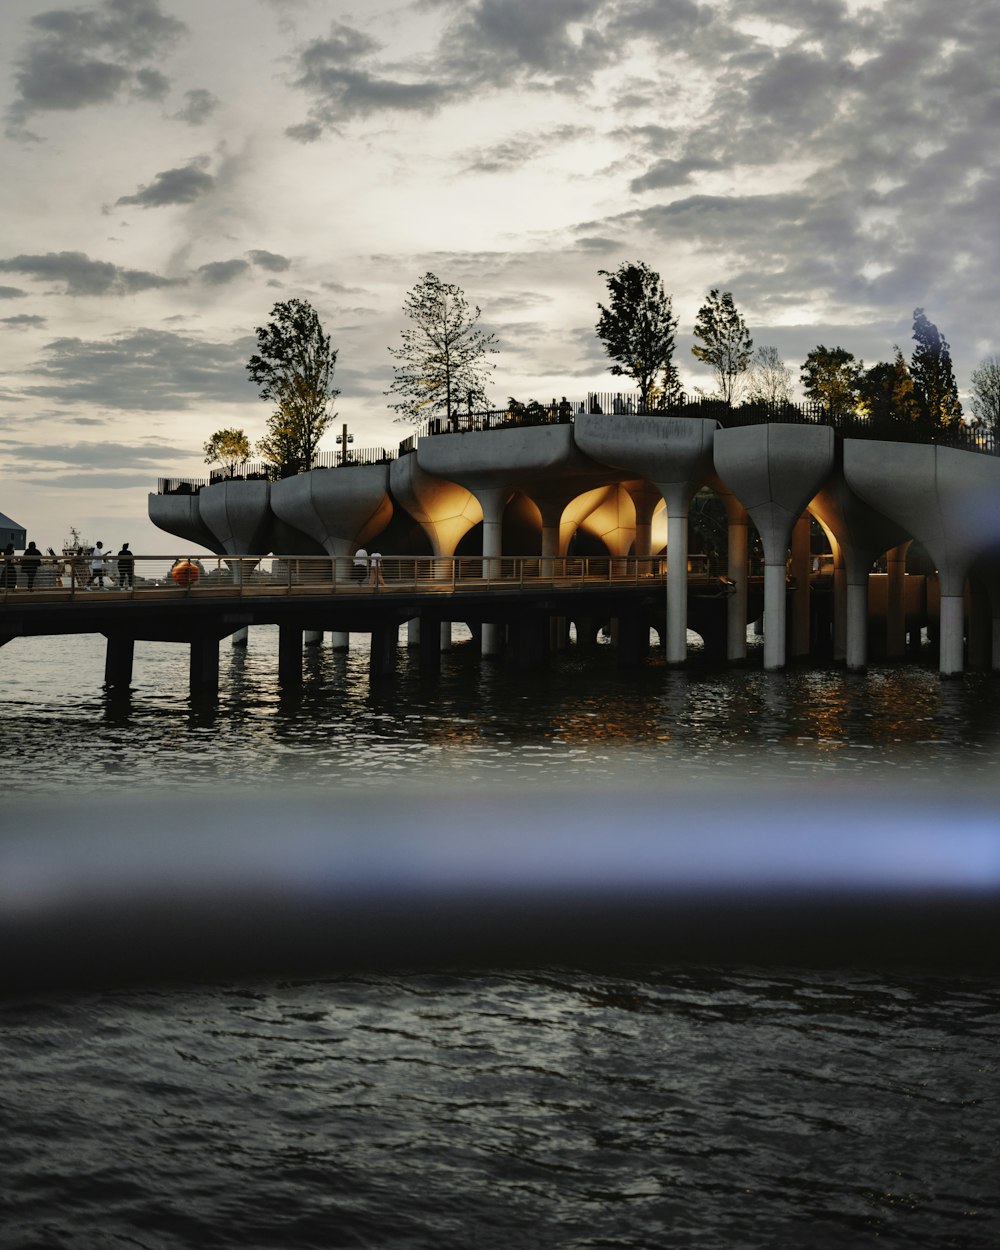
<point x="952" y="636"/>
<point x="801" y="568"/>
<point x="895" y="608"/>
<point x="677" y="561"/>
<point x="775" y="619"/>
<point x="384" y="641"/>
<point x="313" y="637"/>
<point x="856" y="614"/>
<point x="736" y="604"/>
<point x="340" y="640"/>
<point x="118" y="660"/>
<point x="445" y="636"/>
<point x="493" y="501"/>
<point x="494" y="638"/>
<point x="413" y="632"/>
<point x="646" y="499"/>
<point x="204" y="667"/>
<point x="241" y="637"/>
<point x="289" y="655"/>
<point x="839" y="611"/>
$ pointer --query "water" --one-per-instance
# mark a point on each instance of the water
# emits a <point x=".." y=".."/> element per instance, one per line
<point x="557" y="1106"/>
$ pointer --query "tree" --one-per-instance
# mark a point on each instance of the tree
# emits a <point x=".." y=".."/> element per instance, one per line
<point x="886" y="392"/>
<point x="933" y="377"/>
<point x="443" y="357"/>
<point x="230" y="448"/>
<point x="769" y="379"/>
<point x="726" y="344"/>
<point x="986" y="392"/>
<point x="830" y="376"/>
<point x="294" y="369"/>
<point x="637" y="331"/>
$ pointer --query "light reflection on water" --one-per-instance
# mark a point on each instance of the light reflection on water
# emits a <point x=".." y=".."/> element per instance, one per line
<point x="582" y="719"/>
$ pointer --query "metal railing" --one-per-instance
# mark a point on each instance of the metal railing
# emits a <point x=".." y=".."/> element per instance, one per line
<point x="73" y="578"/>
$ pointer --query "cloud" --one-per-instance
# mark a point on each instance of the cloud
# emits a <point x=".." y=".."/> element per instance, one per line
<point x="79" y="57"/>
<point x="144" y="370"/>
<point x="172" y="186"/>
<point x="671" y="173"/>
<point x="103" y="455"/>
<point x="219" y="272"/>
<point x="12" y="292"/>
<point x="269" y="260"/>
<point x="199" y="105"/>
<point x="92" y="481"/>
<point x="23" y="321"/>
<point x="333" y="72"/>
<point x="520" y="149"/>
<point x="83" y="276"/>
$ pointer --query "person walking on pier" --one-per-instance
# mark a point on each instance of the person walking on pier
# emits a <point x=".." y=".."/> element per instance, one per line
<point x="376" y="578"/>
<point x="97" y="566"/>
<point x="8" y="569"/>
<point x="126" y="568"/>
<point x="31" y="562"/>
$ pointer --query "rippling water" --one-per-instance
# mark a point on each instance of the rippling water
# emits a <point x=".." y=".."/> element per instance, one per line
<point x="552" y="1107"/>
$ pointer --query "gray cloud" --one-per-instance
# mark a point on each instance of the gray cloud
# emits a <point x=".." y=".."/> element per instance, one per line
<point x="199" y="105"/>
<point x="92" y="481"/>
<point x="78" y="57"/>
<point x="671" y="173"/>
<point x="82" y="276"/>
<point x="23" y="321"/>
<point x="519" y="149"/>
<point x="144" y="370"/>
<point x="102" y="455"/>
<point x="12" y="292"/>
<point x="172" y="186"/>
<point x="269" y="260"/>
<point x="219" y="272"/>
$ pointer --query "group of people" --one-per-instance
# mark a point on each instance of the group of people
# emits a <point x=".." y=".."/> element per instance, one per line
<point x="97" y="561"/>
<point x="368" y="567"/>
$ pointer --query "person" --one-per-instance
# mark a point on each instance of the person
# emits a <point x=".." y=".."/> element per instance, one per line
<point x="360" y="570"/>
<point x="8" y="575"/>
<point x="97" y="566"/>
<point x="30" y="562"/>
<point x="375" y="563"/>
<point x="126" y="568"/>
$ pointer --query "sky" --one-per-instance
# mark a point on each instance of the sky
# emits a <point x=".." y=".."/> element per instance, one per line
<point x="173" y="168"/>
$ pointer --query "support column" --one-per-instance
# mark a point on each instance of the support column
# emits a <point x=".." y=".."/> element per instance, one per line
<point x="204" y="668"/>
<point x="313" y="637"/>
<point x="895" y="602"/>
<point x="736" y="604"/>
<point x="677" y="573"/>
<point x="839" y="610"/>
<point x="413" y="632"/>
<point x="429" y="642"/>
<point x="289" y="655"/>
<point x="118" y="660"/>
<point x="856" y="643"/>
<point x="775" y="616"/>
<point x="340" y="640"/>
<point x="493" y="501"/>
<point x="384" y="641"/>
<point x="801" y="568"/>
<point x="951" y="661"/>
<point x="241" y="637"/>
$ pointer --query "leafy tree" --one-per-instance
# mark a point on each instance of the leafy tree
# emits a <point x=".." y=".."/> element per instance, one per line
<point x="294" y="368"/>
<point x="229" y="448"/>
<point x="725" y="343"/>
<point x="886" y="392"/>
<point x="830" y="376"/>
<point x="443" y="357"/>
<point x="769" y="379"/>
<point x="986" y="392"/>
<point x="637" y="330"/>
<point x="933" y="377"/>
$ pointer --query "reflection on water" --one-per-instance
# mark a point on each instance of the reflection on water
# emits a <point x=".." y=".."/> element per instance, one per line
<point x="578" y="720"/>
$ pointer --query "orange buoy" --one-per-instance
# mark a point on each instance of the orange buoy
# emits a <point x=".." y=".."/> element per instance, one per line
<point x="185" y="573"/>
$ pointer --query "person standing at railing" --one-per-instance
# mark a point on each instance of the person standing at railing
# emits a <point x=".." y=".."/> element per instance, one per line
<point x="126" y="568"/>
<point x="97" y="566"/>
<point x="375" y="577"/>
<point x="31" y="562"/>
<point x="360" y="570"/>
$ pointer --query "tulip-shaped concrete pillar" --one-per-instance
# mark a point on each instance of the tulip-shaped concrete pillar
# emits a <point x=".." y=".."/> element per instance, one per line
<point x="675" y="455"/>
<point x="774" y="470"/>
<point x="947" y="500"/>
<point x="340" y="509"/>
<point x="861" y="534"/>
<point x="240" y="517"/>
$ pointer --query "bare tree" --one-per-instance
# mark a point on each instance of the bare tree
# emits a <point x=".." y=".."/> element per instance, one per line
<point x="986" y="392"/>
<point x="769" y="379"/>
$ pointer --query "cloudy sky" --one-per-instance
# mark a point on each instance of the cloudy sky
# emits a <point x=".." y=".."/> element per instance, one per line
<point x="172" y="168"/>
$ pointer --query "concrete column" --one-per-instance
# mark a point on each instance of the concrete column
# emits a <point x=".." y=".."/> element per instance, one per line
<point x="413" y="632"/>
<point x="444" y="636"/>
<point x="118" y="660"/>
<point x="646" y="499"/>
<point x="895" y="607"/>
<point x="951" y="661"/>
<point x="736" y="604"/>
<point x="493" y="501"/>
<point x="384" y="641"/>
<point x="313" y="637"/>
<point x="204" y="667"/>
<point x="801" y="568"/>
<point x="494" y="638"/>
<point x="241" y="637"/>
<point x="340" y="640"/>
<point x="289" y="655"/>
<point x="775" y="617"/>
<point x="839" y="611"/>
<point x="856" y="614"/>
<point x="677" y="561"/>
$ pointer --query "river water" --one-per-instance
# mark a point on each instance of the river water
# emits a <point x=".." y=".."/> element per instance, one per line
<point x="644" y="1104"/>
